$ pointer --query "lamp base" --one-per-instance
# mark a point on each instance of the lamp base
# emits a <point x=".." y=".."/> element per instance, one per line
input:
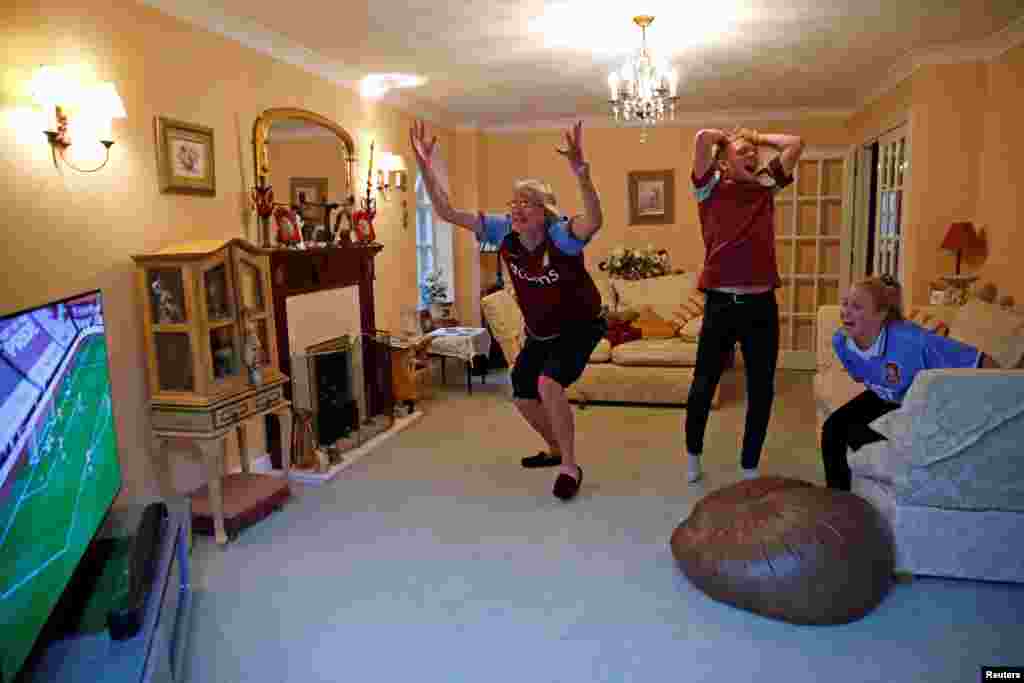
<point x="957" y="286"/>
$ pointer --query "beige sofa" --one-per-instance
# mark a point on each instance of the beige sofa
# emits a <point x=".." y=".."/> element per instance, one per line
<point x="949" y="478"/>
<point x="649" y="370"/>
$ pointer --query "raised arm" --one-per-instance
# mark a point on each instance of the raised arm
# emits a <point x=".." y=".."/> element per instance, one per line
<point x="704" y="149"/>
<point x="424" y="151"/>
<point x="583" y="227"/>
<point x="792" y="147"/>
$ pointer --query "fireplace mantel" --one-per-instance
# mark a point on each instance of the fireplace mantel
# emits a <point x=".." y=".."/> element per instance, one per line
<point x="294" y="272"/>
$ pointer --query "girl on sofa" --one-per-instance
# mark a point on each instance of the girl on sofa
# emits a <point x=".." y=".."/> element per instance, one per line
<point x="880" y="349"/>
<point x="560" y="303"/>
<point x="735" y="202"/>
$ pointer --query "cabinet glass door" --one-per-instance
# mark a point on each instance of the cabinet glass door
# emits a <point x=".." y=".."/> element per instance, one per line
<point x="224" y="343"/>
<point x="167" y="296"/>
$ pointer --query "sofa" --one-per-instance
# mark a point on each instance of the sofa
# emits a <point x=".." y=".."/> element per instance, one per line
<point x="949" y="478"/>
<point x="657" y="368"/>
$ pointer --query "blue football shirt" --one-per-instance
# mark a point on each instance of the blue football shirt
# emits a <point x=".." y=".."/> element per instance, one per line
<point x="902" y="350"/>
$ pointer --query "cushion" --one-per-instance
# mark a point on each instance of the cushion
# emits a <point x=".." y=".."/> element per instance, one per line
<point x="604" y="286"/>
<point x="656" y="352"/>
<point x="997" y="331"/>
<point x="506" y="322"/>
<point x="663" y="294"/>
<point x="691" y="330"/>
<point x="653" y="326"/>
<point x="787" y="550"/>
<point x="620" y="333"/>
<point x="602" y="353"/>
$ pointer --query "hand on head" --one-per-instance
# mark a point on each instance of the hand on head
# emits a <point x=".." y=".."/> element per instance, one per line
<point x="418" y="137"/>
<point x="574" y="147"/>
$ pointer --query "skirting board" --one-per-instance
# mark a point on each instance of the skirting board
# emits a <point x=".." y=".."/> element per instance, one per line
<point x="262" y="464"/>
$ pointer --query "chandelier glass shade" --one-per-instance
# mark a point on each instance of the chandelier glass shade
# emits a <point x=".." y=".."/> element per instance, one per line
<point x="644" y="90"/>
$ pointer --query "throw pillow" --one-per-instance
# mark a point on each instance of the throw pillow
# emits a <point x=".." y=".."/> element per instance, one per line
<point x="621" y="332"/>
<point x="691" y="330"/>
<point x="663" y="294"/>
<point x="651" y="328"/>
<point x="994" y="330"/>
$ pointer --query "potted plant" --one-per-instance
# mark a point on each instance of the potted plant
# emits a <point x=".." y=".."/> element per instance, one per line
<point x="434" y="294"/>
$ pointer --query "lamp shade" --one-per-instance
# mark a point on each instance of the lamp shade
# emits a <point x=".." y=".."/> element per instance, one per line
<point x="960" y="235"/>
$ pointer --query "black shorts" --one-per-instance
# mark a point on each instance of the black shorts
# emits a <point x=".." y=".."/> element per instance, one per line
<point x="562" y="358"/>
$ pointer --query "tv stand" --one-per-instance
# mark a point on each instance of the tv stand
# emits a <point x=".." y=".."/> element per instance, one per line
<point x="156" y="654"/>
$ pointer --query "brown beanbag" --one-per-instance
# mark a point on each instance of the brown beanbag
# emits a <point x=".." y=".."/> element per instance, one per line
<point x="788" y="550"/>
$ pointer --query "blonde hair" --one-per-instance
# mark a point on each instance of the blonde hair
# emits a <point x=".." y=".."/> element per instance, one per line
<point x="735" y="135"/>
<point x="886" y="293"/>
<point x="541" y="193"/>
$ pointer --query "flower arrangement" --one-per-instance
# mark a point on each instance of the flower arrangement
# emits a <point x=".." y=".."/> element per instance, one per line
<point x="434" y="288"/>
<point x="636" y="264"/>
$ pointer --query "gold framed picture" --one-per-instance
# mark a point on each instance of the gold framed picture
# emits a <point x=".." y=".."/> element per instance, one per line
<point x="185" y="157"/>
<point x="651" y="197"/>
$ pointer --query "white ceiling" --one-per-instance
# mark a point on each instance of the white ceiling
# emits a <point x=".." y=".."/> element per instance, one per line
<point x="509" y="63"/>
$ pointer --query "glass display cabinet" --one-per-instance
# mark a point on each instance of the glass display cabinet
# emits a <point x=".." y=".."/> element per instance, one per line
<point x="208" y="320"/>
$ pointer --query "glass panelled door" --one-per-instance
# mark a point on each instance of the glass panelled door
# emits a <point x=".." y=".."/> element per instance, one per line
<point x="893" y="170"/>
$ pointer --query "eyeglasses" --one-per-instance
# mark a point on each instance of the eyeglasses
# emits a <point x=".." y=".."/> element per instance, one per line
<point x="523" y="204"/>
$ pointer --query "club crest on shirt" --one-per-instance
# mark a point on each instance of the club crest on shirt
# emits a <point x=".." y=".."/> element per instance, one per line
<point x="892" y="373"/>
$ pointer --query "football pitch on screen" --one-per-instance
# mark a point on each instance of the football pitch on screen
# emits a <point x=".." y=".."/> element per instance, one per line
<point x="59" y="498"/>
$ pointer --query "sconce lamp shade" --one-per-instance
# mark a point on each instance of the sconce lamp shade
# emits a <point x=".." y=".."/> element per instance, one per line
<point x="106" y="102"/>
<point x="959" y="236"/>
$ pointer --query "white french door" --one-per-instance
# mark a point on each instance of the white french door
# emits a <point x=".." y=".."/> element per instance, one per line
<point x="809" y="243"/>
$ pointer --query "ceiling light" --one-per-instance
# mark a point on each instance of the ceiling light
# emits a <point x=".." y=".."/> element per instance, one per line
<point x="644" y="90"/>
<point x="376" y="85"/>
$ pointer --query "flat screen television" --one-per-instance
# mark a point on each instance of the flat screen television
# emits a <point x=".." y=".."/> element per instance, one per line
<point x="59" y="468"/>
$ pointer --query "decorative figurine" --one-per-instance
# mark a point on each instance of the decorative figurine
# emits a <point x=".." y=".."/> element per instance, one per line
<point x="263" y="203"/>
<point x="252" y="356"/>
<point x="167" y="308"/>
<point x="363" y="219"/>
<point x="289" y="226"/>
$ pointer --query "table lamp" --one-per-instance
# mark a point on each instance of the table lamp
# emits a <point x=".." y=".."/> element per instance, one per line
<point x="959" y="236"/>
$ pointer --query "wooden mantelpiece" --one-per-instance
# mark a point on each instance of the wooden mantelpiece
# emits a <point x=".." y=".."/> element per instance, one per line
<point x="295" y="272"/>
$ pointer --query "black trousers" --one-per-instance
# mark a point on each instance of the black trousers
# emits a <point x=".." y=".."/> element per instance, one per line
<point x="848" y="428"/>
<point x="753" y="321"/>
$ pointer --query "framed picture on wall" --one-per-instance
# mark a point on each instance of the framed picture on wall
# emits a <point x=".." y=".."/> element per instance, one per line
<point x="651" y="197"/>
<point x="185" y="157"/>
<point x="309" y="193"/>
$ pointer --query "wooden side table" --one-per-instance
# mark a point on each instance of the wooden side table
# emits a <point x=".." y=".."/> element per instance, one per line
<point x="205" y="432"/>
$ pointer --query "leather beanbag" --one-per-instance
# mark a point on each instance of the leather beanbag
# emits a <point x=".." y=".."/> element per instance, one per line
<point x="788" y="550"/>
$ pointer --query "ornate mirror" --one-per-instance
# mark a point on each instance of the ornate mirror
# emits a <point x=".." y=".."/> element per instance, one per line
<point x="307" y="162"/>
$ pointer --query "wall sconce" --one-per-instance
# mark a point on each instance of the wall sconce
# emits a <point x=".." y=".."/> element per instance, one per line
<point x="84" y="110"/>
<point x="390" y="175"/>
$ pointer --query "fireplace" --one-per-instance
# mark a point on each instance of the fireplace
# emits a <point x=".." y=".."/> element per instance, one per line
<point x="296" y="273"/>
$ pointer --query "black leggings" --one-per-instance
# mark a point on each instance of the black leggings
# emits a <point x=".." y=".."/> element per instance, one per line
<point x="848" y="428"/>
<point x="753" y="320"/>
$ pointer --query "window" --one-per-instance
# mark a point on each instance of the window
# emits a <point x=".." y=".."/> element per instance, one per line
<point x="433" y="238"/>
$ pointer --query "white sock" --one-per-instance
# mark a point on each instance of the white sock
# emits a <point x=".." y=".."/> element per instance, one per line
<point x="694" y="468"/>
<point x="751" y="473"/>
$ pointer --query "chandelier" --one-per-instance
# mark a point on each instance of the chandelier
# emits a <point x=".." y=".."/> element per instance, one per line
<point x="643" y="91"/>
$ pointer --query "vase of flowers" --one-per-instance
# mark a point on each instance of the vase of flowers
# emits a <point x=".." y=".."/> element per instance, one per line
<point x="636" y="264"/>
<point x="263" y="204"/>
<point x="434" y="293"/>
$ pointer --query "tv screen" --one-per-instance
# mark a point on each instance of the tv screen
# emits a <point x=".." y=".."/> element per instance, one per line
<point x="59" y="470"/>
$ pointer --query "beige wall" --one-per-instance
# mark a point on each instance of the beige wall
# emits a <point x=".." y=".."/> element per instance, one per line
<point x="613" y="153"/>
<point x="1000" y="208"/>
<point x="65" y="232"/>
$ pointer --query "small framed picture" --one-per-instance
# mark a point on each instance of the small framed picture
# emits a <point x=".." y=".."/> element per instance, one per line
<point x="185" y="157"/>
<point x="651" y="197"/>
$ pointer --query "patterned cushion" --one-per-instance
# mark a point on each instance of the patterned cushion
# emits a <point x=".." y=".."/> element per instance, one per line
<point x="691" y="330"/>
<point x="997" y="331"/>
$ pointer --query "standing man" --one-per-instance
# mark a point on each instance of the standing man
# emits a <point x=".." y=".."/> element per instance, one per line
<point x="736" y="203"/>
<point x="561" y="305"/>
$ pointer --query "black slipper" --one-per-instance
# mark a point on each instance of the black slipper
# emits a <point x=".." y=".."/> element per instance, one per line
<point x="542" y="459"/>
<point x="566" y="487"/>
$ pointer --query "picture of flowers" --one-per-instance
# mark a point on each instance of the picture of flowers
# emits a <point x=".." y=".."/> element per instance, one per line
<point x="651" y="197"/>
<point x="185" y="156"/>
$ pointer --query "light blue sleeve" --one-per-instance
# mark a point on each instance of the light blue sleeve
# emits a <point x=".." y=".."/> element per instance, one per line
<point x="492" y="228"/>
<point x="563" y="238"/>
<point x="842" y="353"/>
<point x="943" y="352"/>
<point x="702" y="192"/>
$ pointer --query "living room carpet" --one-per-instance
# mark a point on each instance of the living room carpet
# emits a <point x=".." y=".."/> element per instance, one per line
<point x="439" y="558"/>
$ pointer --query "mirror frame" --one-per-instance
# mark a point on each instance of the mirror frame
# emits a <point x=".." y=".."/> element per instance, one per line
<point x="261" y="129"/>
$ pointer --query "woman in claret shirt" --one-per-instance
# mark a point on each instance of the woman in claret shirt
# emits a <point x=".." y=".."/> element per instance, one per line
<point x="736" y="205"/>
<point x="560" y="303"/>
